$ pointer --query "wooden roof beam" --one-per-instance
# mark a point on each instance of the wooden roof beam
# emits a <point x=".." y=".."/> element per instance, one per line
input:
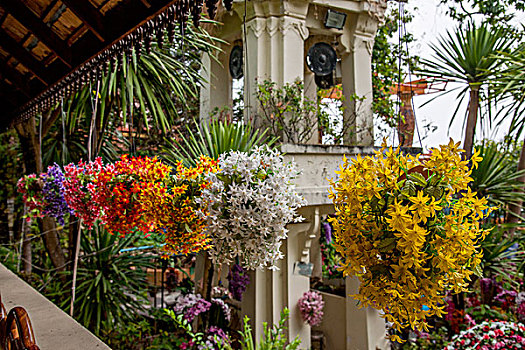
<point x="38" y="28"/>
<point x="23" y="56"/>
<point x="16" y="78"/>
<point x="88" y="14"/>
<point x="119" y="22"/>
<point x="12" y="95"/>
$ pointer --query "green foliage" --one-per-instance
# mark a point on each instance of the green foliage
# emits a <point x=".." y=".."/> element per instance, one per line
<point x="149" y="93"/>
<point x="510" y="87"/>
<point x="468" y="55"/>
<point x="388" y="50"/>
<point x="140" y="334"/>
<point x="437" y="339"/>
<point x="274" y="338"/>
<point x="111" y="286"/>
<point x="286" y="111"/>
<point x="503" y="254"/>
<point x="212" y="140"/>
<point x="496" y="177"/>
<point x="495" y="12"/>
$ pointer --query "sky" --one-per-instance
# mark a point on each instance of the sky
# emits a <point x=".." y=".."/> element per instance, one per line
<point x="430" y="21"/>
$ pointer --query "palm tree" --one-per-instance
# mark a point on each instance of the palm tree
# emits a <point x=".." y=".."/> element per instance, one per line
<point x="468" y="55"/>
<point x="510" y="86"/>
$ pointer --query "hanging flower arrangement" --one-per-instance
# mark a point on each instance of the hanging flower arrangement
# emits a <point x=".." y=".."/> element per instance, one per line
<point x="30" y="186"/>
<point x="251" y="199"/>
<point x="409" y="229"/>
<point x="311" y="305"/>
<point x="132" y="194"/>
<point x="80" y="190"/>
<point x="44" y="194"/>
<point x="128" y="191"/>
<point x="177" y="214"/>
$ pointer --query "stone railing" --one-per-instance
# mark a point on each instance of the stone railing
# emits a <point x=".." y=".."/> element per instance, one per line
<point x="49" y="326"/>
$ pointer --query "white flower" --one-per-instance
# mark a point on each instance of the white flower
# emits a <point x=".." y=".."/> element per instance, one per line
<point x="251" y="200"/>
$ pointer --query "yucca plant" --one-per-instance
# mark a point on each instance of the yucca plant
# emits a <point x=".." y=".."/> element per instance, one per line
<point x="213" y="139"/>
<point x="111" y="285"/>
<point x="468" y="55"/>
<point x="510" y="87"/>
<point x="503" y="254"/>
<point x="149" y="89"/>
<point x="496" y="177"/>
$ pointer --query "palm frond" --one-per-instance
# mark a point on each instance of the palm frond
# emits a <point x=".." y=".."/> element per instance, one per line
<point x="214" y="139"/>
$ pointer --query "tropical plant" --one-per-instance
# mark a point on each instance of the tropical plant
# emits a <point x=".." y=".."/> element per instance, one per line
<point x="468" y="55"/>
<point x="156" y="85"/>
<point x="214" y="139"/>
<point x="496" y="177"/>
<point x="511" y="85"/>
<point x="111" y="285"/>
<point x="503" y="254"/>
<point x="286" y="111"/>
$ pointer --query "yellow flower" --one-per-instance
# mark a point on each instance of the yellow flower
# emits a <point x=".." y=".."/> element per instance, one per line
<point x="397" y="238"/>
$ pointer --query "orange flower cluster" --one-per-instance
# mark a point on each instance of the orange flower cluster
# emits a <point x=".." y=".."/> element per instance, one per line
<point x="180" y="217"/>
<point x="127" y="192"/>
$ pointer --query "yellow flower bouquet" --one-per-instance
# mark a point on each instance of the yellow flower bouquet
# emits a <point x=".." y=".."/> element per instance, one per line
<point x="409" y="228"/>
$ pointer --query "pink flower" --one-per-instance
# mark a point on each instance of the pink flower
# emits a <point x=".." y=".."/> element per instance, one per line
<point x="311" y="306"/>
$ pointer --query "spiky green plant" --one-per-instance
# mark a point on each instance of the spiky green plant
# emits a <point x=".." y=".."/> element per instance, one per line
<point x="468" y="55"/>
<point x="213" y="139"/>
<point x="111" y="285"/>
<point x="496" y="177"/>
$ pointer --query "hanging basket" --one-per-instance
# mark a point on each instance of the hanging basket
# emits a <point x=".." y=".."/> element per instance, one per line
<point x="409" y="229"/>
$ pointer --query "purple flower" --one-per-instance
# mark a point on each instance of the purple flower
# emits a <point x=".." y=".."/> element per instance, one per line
<point x="327" y="232"/>
<point x="191" y="306"/>
<point x="53" y="190"/>
<point x="238" y="281"/>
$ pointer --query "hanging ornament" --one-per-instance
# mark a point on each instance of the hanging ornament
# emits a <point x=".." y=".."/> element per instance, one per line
<point x="196" y="11"/>
<point x="228" y="4"/>
<point x="211" y="5"/>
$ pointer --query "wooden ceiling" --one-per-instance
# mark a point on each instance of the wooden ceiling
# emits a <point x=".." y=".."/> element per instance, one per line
<point x="42" y="41"/>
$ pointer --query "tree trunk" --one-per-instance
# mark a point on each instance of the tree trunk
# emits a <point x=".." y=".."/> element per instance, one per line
<point x="472" y="120"/>
<point x="514" y="214"/>
<point x="30" y="146"/>
<point x="27" y="254"/>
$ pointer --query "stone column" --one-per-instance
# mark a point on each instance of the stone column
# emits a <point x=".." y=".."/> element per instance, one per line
<point x="274" y="45"/>
<point x="217" y="93"/>
<point x="356" y="64"/>
<point x="365" y="329"/>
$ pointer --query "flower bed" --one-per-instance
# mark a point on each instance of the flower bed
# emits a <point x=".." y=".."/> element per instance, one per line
<point x="490" y="335"/>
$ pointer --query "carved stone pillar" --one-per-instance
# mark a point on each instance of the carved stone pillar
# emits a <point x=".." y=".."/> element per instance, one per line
<point x="274" y="45"/>
<point x="217" y="93"/>
<point x="356" y="64"/>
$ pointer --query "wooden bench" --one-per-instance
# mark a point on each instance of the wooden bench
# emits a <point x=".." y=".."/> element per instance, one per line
<point x="16" y="332"/>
